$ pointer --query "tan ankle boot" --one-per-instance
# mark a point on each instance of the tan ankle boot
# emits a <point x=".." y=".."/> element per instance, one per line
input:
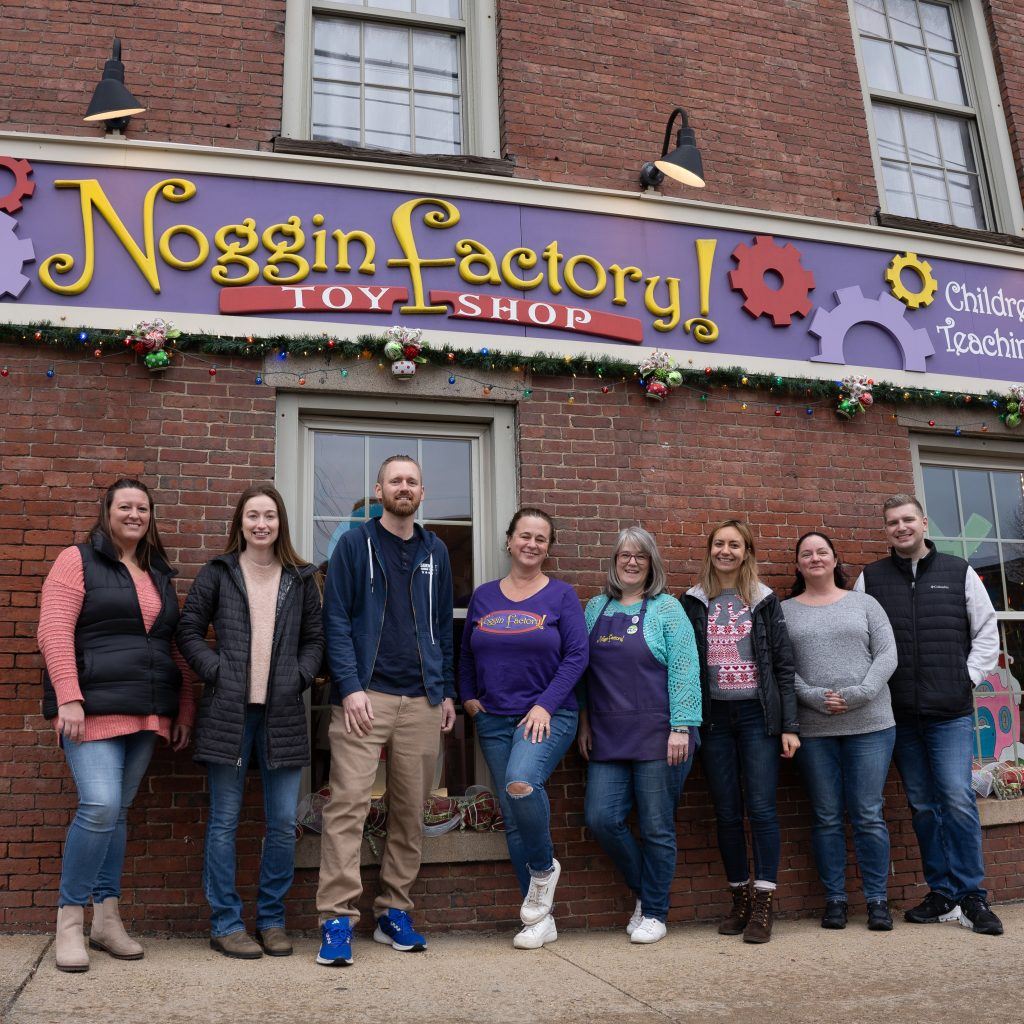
<point x="108" y="932"/>
<point x="70" y="948"/>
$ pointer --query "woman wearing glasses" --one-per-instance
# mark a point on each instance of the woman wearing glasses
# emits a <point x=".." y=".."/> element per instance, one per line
<point x="638" y="728"/>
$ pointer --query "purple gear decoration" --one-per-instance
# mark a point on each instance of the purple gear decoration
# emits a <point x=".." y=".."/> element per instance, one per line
<point x="15" y="252"/>
<point x="853" y="307"/>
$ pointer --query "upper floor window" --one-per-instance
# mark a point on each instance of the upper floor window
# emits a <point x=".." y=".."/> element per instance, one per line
<point x="408" y="76"/>
<point x="924" y="113"/>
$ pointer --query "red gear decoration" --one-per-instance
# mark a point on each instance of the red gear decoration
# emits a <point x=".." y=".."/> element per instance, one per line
<point x="753" y="262"/>
<point x="23" y="188"/>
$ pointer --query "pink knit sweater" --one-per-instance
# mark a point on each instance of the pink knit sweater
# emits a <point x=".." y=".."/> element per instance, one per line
<point x="63" y="595"/>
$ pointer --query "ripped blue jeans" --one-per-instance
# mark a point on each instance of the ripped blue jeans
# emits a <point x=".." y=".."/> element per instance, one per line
<point x="512" y="758"/>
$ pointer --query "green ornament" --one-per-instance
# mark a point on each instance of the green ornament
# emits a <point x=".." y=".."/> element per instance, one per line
<point x="674" y="379"/>
<point x="394" y="350"/>
<point x="1013" y="406"/>
<point x="1012" y="420"/>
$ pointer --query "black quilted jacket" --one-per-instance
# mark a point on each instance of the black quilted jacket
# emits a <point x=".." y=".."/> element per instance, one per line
<point x="218" y="597"/>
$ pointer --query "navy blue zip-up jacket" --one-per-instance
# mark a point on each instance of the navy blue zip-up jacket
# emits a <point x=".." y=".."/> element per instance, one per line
<point x="354" y="598"/>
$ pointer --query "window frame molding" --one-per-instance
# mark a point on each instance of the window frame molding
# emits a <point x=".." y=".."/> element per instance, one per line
<point x="481" y="135"/>
<point x="999" y="174"/>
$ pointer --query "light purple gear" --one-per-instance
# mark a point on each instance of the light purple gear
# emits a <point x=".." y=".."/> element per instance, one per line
<point x="15" y="252"/>
<point x="853" y="307"/>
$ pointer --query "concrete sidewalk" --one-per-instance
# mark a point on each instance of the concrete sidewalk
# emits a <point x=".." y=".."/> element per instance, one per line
<point x="919" y="974"/>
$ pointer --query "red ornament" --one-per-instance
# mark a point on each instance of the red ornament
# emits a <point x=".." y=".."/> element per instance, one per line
<point x="931" y="423"/>
<point x="605" y="389"/>
<point x="331" y="343"/>
<point x="213" y="371"/>
<point x="451" y="357"/>
<point x="656" y="389"/>
<point x="5" y="372"/>
<point x="302" y="382"/>
<point x="866" y="399"/>
<point x="778" y="411"/>
<point x="707" y="371"/>
<point x="97" y="352"/>
<point x="39" y="335"/>
<point x="411" y="351"/>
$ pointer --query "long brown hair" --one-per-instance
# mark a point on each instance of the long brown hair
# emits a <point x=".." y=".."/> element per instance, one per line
<point x="284" y="551"/>
<point x="150" y="545"/>
<point x="747" y="582"/>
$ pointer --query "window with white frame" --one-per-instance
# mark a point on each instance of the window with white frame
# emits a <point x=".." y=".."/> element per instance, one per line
<point x="925" y="97"/>
<point x="410" y="76"/>
<point x="976" y="511"/>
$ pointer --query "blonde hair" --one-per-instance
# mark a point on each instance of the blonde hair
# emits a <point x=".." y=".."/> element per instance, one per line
<point x="747" y="583"/>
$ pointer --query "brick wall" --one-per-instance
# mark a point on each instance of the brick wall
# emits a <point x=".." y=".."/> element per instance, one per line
<point x="602" y="462"/>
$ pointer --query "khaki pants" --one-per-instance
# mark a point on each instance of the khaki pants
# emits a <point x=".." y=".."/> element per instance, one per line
<point x="410" y="729"/>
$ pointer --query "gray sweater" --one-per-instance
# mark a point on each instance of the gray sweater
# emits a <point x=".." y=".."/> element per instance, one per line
<point x="848" y="647"/>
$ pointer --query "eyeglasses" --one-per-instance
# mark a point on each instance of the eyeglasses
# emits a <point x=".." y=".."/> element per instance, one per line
<point x="628" y="556"/>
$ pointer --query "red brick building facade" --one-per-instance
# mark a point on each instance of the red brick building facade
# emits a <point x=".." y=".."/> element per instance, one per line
<point x="782" y="100"/>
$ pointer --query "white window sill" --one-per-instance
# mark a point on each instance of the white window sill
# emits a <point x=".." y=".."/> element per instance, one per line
<point x="452" y="848"/>
<point x="1000" y="812"/>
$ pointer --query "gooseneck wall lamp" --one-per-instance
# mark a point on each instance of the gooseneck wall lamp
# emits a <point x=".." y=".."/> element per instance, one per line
<point x="111" y="102"/>
<point x="683" y="164"/>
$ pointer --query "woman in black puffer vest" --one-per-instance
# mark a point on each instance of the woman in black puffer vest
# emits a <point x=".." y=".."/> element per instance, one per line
<point x="263" y="603"/>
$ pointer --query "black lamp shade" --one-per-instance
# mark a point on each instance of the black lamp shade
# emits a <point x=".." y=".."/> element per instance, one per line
<point x="111" y="100"/>
<point x="684" y="163"/>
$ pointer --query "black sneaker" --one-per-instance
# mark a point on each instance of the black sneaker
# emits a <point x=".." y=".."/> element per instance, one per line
<point x="933" y="909"/>
<point x="975" y="914"/>
<point x="835" y="915"/>
<point x="879" y="918"/>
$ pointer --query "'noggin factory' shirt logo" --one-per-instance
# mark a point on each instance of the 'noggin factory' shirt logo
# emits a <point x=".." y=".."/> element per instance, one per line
<point x="508" y="621"/>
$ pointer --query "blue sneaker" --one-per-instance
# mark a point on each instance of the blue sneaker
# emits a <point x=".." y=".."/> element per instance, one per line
<point x="335" y="943"/>
<point x="395" y="929"/>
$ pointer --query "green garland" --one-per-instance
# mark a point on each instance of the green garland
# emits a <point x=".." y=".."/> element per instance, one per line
<point x="543" y="364"/>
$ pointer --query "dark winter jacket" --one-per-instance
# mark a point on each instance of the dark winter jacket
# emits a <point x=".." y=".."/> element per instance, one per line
<point x="122" y="669"/>
<point x="354" y="600"/>
<point x="218" y="597"/>
<point x="933" y="632"/>
<point x="776" y="685"/>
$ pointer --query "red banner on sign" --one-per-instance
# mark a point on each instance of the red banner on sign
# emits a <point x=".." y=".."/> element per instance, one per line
<point x="503" y="309"/>
<point x="320" y="298"/>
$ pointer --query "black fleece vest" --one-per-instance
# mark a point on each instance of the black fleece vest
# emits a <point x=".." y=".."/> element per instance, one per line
<point x="929" y="618"/>
<point x="122" y="670"/>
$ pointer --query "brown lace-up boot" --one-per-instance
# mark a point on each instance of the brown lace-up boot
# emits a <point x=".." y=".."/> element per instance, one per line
<point x="759" y="927"/>
<point x="740" y="913"/>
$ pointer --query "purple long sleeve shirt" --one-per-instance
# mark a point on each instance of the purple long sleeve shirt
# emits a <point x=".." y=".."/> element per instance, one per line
<point x="519" y="653"/>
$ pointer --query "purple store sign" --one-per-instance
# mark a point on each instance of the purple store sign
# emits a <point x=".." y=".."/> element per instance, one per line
<point x="118" y="238"/>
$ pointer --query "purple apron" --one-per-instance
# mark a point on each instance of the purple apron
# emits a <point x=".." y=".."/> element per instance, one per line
<point x="627" y="691"/>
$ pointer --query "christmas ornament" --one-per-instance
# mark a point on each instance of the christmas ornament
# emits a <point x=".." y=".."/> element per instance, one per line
<point x="854" y="396"/>
<point x="1014" y="406"/>
<point x="658" y="374"/>
<point x="158" y="360"/>
<point x="404" y="349"/>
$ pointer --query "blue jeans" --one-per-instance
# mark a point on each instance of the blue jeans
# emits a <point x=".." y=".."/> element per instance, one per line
<point x="512" y="758"/>
<point x="741" y="764"/>
<point x="107" y="774"/>
<point x="277" y="864"/>
<point x="847" y="774"/>
<point x="934" y="762"/>
<point x="653" y="787"/>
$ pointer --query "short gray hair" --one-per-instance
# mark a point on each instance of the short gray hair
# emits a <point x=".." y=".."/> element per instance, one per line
<point x="656" y="581"/>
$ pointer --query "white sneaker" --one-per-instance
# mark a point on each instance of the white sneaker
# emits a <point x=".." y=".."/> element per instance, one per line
<point x="650" y="929"/>
<point x="634" y="921"/>
<point x="533" y="936"/>
<point x="540" y="896"/>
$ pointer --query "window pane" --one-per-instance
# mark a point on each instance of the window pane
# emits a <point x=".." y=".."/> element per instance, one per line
<point x="955" y="136"/>
<point x="436" y="62"/>
<point x="1013" y="566"/>
<point x="949" y="83"/>
<point x="446" y="473"/>
<point x="904" y="22"/>
<point x="441" y="8"/>
<point x="387" y="118"/>
<point x="387" y="56"/>
<point x="940" y="501"/>
<point x="930" y="193"/>
<point x="390" y="5"/>
<point x="383" y="446"/>
<point x="889" y="132"/>
<point x="985" y="559"/>
<point x="965" y="193"/>
<point x="899" y="197"/>
<point x="938" y="27"/>
<point x="922" y="138"/>
<point x="438" y="124"/>
<point x="870" y="17"/>
<point x="976" y="502"/>
<point x="879" y="65"/>
<point x="338" y="474"/>
<point x="912" y="68"/>
<point x="336" y="49"/>
<point x="950" y="547"/>
<point x="459" y="541"/>
<point x="1010" y="502"/>
<point x="336" y="112"/>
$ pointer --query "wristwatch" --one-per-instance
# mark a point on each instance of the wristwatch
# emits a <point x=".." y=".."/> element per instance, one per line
<point x="679" y="728"/>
